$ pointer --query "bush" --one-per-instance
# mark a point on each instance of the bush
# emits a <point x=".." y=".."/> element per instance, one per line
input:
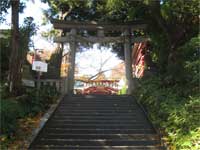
<point x="174" y="105"/>
<point x="175" y="113"/>
<point x="31" y="103"/>
<point x="38" y="101"/>
<point x="3" y="90"/>
<point x="123" y="90"/>
<point x="9" y="112"/>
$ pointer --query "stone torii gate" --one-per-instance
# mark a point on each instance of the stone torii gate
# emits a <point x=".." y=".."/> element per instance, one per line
<point x="73" y="38"/>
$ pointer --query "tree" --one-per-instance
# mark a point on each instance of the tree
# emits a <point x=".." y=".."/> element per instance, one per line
<point x="5" y="5"/>
<point x="170" y="23"/>
<point x="26" y="31"/>
<point x="17" y="51"/>
<point x="14" y="66"/>
<point x="177" y="28"/>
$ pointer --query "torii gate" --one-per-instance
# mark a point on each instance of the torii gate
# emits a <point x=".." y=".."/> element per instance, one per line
<point x="72" y="38"/>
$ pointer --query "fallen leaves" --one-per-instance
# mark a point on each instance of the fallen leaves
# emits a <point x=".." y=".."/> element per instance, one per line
<point x="23" y="133"/>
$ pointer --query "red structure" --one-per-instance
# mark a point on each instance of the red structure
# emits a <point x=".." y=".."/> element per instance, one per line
<point x="138" y="56"/>
<point x="101" y="87"/>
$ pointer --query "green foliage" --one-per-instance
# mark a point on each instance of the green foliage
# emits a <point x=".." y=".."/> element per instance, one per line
<point x="114" y="4"/>
<point x="26" y="32"/>
<point x="9" y="112"/>
<point x="5" y="5"/>
<point x="29" y="104"/>
<point x="123" y="90"/>
<point x="3" y="90"/>
<point x="38" y="101"/>
<point x="178" y="115"/>
<point x="175" y="108"/>
<point x="5" y="49"/>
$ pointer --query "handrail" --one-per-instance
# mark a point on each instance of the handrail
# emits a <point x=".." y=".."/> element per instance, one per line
<point x="58" y="83"/>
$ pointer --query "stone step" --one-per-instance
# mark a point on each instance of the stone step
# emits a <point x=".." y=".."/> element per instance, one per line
<point x="97" y="142"/>
<point x="122" y="101"/>
<point x="98" y="117"/>
<point x="97" y="121"/>
<point x="98" y="97"/>
<point x="97" y="100"/>
<point x="54" y="147"/>
<point x="104" y="99"/>
<point x="75" y="109"/>
<point x="94" y="126"/>
<point x="96" y="114"/>
<point x="119" y="119"/>
<point x="99" y="110"/>
<point x="102" y="136"/>
<point x="93" y="102"/>
<point x="98" y="107"/>
<point x="99" y="131"/>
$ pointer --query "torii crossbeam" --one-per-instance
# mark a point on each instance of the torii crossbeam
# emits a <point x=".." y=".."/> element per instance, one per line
<point x="93" y="26"/>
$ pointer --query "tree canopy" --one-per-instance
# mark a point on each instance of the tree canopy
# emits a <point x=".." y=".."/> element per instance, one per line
<point x="27" y="30"/>
<point x="170" y="23"/>
<point x="5" y="5"/>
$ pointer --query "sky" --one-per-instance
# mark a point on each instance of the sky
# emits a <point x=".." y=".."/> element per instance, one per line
<point x="93" y="58"/>
<point x="88" y="61"/>
<point x="33" y="9"/>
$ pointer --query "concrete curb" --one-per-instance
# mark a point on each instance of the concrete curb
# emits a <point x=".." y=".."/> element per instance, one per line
<point x="43" y="121"/>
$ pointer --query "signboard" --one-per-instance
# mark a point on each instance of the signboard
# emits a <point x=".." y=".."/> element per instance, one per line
<point x="39" y="66"/>
<point x="29" y="83"/>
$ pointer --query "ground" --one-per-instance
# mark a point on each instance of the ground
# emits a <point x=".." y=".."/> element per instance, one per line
<point x="19" y="140"/>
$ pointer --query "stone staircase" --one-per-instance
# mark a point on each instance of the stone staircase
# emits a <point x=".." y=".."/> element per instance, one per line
<point x="97" y="123"/>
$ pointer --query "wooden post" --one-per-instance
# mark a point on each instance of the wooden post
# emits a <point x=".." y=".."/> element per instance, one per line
<point x="128" y="62"/>
<point x="64" y="86"/>
<point x="72" y="62"/>
<point x="38" y="80"/>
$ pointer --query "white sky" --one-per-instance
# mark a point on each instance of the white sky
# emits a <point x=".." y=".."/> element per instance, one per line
<point x="87" y="61"/>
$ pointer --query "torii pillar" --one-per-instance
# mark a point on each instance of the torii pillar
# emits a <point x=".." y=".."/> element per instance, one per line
<point x="128" y="62"/>
<point x="71" y="69"/>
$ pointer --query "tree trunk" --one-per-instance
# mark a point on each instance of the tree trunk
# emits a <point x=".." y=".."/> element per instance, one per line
<point x="60" y="46"/>
<point x="155" y="13"/>
<point x="14" y="66"/>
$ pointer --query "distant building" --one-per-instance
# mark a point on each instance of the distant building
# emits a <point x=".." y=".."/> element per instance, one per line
<point x="118" y="71"/>
<point x="138" y="61"/>
<point x="38" y="54"/>
<point x="142" y="61"/>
